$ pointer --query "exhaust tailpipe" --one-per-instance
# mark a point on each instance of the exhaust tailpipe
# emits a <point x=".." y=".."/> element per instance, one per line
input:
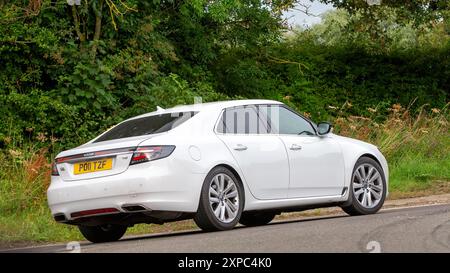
<point x="134" y="208"/>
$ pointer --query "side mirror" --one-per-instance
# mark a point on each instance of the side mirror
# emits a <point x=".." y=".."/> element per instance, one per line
<point x="324" y="128"/>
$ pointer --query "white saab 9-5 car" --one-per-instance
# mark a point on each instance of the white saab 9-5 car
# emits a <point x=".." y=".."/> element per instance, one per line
<point x="219" y="163"/>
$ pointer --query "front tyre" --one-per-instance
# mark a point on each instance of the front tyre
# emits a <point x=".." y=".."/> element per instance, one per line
<point x="103" y="233"/>
<point x="221" y="201"/>
<point x="367" y="188"/>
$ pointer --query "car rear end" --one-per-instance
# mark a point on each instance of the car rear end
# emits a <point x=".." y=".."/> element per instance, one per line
<point x="126" y="170"/>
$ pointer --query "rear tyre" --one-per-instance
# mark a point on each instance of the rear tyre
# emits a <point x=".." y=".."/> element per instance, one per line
<point x="367" y="188"/>
<point x="251" y="219"/>
<point x="103" y="233"/>
<point x="221" y="201"/>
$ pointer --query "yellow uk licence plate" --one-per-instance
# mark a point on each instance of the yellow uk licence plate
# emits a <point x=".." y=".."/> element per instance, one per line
<point x="93" y="166"/>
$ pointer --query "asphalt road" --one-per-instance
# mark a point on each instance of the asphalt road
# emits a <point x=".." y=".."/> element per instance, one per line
<point x="419" y="229"/>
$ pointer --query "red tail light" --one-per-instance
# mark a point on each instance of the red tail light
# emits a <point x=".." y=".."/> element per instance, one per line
<point x="54" y="169"/>
<point x="149" y="153"/>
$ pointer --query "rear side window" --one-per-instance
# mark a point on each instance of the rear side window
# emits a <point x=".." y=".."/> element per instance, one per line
<point x="242" y="120"/>
<point x="146" y="125"/>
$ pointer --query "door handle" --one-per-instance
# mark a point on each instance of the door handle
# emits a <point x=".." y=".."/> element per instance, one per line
<point x="295" y="147"/>
<point x="240" y="147"/>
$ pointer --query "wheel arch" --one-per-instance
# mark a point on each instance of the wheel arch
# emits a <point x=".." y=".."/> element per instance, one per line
<point x="205" y="218"/>
<point x="370" y="156"/>
<point x="347" y="206"/>
<point x="231" y="169"/>
<point x="350" y="165"/>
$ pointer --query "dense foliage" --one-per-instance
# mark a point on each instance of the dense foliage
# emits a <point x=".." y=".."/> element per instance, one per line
<point x="68" y="72"/>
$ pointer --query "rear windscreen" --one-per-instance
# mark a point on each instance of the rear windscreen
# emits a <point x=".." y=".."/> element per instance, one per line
<point x="146" y="125"/>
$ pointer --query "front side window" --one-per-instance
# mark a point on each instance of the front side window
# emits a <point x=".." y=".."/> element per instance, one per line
<point x="146" y="125"/>
<point x="287" y="122"/>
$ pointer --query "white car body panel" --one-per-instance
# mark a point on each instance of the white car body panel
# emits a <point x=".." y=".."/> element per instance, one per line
<point x="264" y="163"/>
<point x="316" y="167"/>
<point x="353" y="149"/>
<point x="270" y="179"/>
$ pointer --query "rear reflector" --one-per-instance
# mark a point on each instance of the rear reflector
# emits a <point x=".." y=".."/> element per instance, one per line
<point x="93" y="212"/>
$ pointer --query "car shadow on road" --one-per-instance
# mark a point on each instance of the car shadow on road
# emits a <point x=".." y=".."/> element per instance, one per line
<point x="307" y="219"/>
<point x="131" y="238"/>
<point x="239" y="227"/>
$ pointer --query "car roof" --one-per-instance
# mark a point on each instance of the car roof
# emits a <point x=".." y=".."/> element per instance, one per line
<point x="217" y="105"/>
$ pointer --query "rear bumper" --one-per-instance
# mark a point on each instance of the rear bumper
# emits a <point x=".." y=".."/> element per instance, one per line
<point x="152" y="185"/>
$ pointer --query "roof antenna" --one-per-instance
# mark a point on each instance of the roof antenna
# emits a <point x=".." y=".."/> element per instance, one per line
<point x="158" y="108"/>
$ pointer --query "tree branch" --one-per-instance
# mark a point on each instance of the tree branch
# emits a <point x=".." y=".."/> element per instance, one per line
<point x="304" y="8"/>
<point x="77" y="24"/>
<point x="98" y="27"/>
<point x="283" y="61"/>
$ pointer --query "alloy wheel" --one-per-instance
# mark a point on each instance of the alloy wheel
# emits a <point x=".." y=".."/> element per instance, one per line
<point x="224" y="198"/>
<point x="367" y="185"/>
